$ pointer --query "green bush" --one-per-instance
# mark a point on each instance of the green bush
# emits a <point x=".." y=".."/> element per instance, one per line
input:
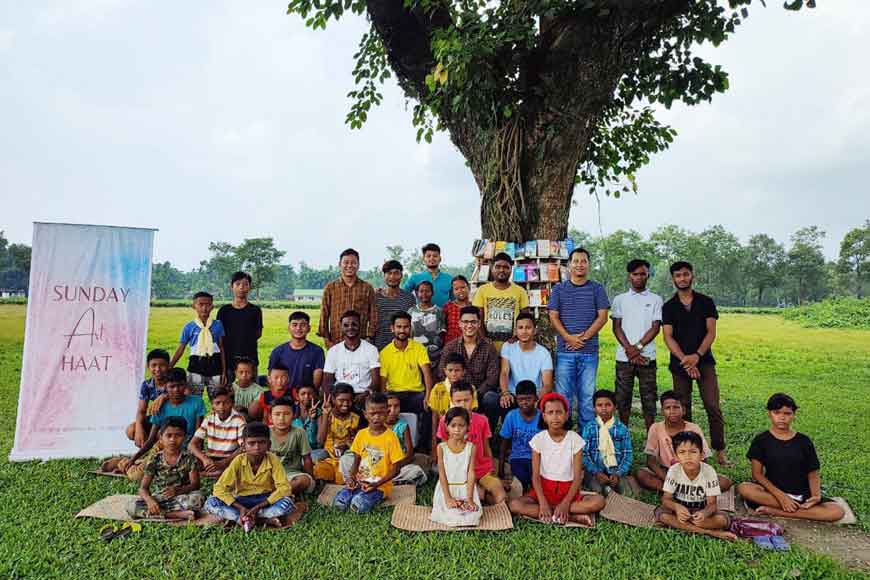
<point x="832" y="313"/>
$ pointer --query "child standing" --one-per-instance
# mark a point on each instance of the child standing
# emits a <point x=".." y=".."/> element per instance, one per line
<point x="690" y="491"/>
<point x="785" y="470"/>
<point x="456" y="501"/>
<point x="608" y="456"/>
<point x="427" y="323"/>
<point x="175" y="474"/>
<point x="254" y="486"/>
<point x="659" y="450"/>
<point x="206" y="364"/>
<point x="307" y="418"/>
<point x="376" y="454"/>
<point x="158" y="365"/>
<point x="409" y="473"/>
<point x="518" y="428"/>
<point x="290" y="444"/>
<point x="451" y="309"/>
<point x="557" y="471"/>
<point x="439" y="397"/>
<point x="222" y="430"/>
<point x="336" y="432"/>
<point x="245" y="390"/>
<point x="461" y="395"/>
<point x="279" y="386"/>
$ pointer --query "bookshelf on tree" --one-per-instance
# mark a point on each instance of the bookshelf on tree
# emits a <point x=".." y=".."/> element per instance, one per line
<point x="538" y="265"/>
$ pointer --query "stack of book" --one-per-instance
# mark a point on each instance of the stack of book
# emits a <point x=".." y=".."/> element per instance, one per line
<point x="538" y="265"/>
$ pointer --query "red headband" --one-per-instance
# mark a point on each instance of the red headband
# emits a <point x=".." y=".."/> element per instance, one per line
<point x="553" y="397"/>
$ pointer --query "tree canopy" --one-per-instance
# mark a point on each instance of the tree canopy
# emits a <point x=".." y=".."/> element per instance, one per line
<point x="539" y="95"/>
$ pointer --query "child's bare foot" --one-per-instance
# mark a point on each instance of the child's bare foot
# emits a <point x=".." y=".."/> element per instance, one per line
<point x="583" y="519"/>
<point x="763" y="510"/>
<point x="110" y="465"/>
<point x="273" y="522"/>
<point x="728" y="536"/>
<point x="181" y="515"/>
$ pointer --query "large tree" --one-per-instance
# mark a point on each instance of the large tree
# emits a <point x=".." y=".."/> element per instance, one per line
<point x="539" y="95"/>
<point x="854" y="260"/>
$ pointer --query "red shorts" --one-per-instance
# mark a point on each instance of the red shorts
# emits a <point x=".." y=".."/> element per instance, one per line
<point x="554" y="491"/>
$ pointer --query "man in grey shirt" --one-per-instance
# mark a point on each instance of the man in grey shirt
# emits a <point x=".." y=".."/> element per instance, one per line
<point x="389" y="300"/>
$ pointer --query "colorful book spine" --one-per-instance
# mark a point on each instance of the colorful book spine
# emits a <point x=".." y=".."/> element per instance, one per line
<point x="519" y="273"/>
<point x="563" y="249"/>
<point x="532" y="273"/>
<point x="535" y="298"/>
<point x="552" y="272"/>
<point x="489" y="250"/>
<point x="510" y="249"/>
<point x="531" y="249"/>
<point x="543" y="248"/>
<point x="483" y="275"/>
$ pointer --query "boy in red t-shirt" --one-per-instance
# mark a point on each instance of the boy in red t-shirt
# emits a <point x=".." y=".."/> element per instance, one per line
<point x="462" y="395"/>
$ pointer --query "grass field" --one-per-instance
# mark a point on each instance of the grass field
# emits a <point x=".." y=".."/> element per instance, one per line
<point x="827" y="371"/>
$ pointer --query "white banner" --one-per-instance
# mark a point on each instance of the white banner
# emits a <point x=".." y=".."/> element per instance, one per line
<point x="84" y="345"/>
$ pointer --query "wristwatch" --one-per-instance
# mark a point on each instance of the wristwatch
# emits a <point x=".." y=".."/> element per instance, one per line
<point x="639" y="345"/>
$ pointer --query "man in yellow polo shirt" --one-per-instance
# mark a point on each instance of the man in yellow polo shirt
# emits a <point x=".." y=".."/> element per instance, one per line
<point x="407" y="373"/>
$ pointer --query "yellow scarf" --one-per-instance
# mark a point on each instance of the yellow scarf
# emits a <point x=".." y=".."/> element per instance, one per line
<point x="605" y="442"/>
<point x="205" y="342"/>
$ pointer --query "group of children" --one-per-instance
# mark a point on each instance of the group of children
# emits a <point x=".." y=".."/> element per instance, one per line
<point x="267" y="447"/>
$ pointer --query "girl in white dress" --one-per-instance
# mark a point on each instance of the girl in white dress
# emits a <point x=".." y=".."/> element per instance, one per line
<point x="456" y="501"/>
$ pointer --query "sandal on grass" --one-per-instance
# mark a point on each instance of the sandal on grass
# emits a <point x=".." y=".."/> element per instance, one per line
<point x="779" y="544"/>
<point x="764" y="542"/>
<point x="127" y="528"/>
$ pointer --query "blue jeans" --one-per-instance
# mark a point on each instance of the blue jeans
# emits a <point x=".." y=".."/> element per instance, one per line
<point x="280" y="508"/>
<point x="357" y="500"/>
<point x="522" y="470"/>
<point x="575" y="379"/>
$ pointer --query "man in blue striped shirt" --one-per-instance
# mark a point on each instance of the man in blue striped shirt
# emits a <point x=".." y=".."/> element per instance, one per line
<point x="578" y="309"/>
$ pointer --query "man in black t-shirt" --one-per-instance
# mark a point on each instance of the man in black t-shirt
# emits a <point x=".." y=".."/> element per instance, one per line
<point x="689" y="328"/>
<point x="785" y="470"/>
<point x="243" y="323"/>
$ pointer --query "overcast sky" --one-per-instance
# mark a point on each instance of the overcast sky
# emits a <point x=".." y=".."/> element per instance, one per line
<point x="224" y="120"/>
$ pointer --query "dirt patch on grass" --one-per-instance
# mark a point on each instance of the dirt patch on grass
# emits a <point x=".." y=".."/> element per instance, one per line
<point x="848" y="545"/>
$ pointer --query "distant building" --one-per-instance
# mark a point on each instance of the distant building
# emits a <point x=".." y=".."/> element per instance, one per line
<point x="306" y="295"/>
<point x="9" y="293"/>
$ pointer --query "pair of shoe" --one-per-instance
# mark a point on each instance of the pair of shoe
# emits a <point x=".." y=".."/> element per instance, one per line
<point x="776" y="543"/>
<point x="111" y="532"/>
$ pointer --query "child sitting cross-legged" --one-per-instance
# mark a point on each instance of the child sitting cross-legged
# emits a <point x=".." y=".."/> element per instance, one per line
<point x="291" y="446"/>
<point x="517" y="429"/>
<point x="462" y="395"/>
<point x="785" y="470"/>
<point x="254" y="486"/>
<point x="307" y="418"/>
<point x="222" y="431"/>
<point x="245" y="388"/>
<point x="557" y="471"/>
<point x="659" y="450"/>
<point x="376" y="453"/>
<point x="456" y="501"/>
<point x="608" y="456"/>
<point x="690" y="491"/>
<point x="338" y="426"/>
<point x="409" y="473"/>
<point x="174" y="473"/>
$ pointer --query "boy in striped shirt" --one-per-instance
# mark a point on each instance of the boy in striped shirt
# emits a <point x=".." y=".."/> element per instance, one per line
<point x="222" y="430"/>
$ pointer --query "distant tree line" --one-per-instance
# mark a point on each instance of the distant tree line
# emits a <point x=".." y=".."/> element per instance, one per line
<point x="761" y="272"/>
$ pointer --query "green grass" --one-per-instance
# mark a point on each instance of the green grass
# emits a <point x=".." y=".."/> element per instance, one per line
<point x="828" y="371"/>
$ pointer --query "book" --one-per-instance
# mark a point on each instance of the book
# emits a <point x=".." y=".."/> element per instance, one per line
<point x="545" y="296"/>
<point x="477" y="248"/>
<point x="510" y="249"/>
<point x="483" y="275"/>
<point x="552" y="272"/>
<point x="519" y="250"/>
<point x="476" y="272"/>
<point x="570" y="245"/>
<point x="565" y="273"/>
<point x="532" y="273"/>
<point x="489" y="250"/>
<point x="500" y="246"/>
<point x="543" y="248"/>
<point x="535" y="298"/>
<point x="531" y="249"/>
<point x="554" y="249"/>
<point x="519" y="273"/>
<point x="563" y="249"/>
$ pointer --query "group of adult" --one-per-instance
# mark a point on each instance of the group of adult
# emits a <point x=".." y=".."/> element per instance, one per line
<point x="370" y="338"/>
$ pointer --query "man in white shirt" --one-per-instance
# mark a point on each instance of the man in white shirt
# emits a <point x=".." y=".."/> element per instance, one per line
<point x="637" y="319"/>
<point x="352" y="361"/>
